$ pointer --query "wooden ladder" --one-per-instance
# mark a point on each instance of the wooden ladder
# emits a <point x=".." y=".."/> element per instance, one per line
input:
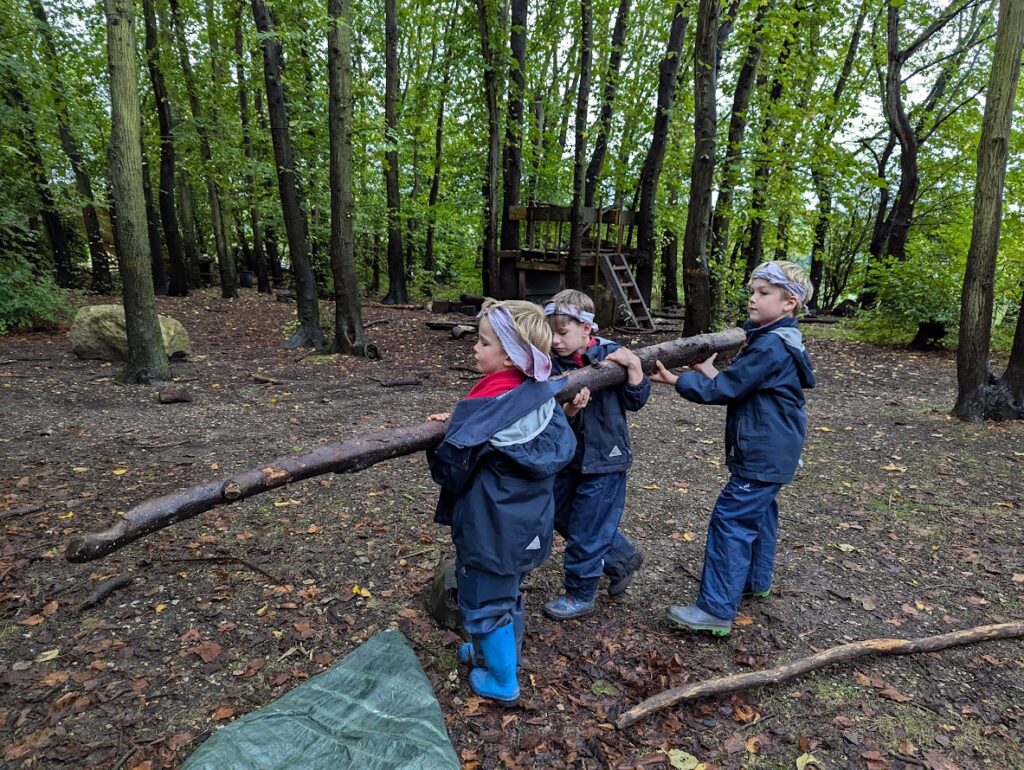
<point x="620" y="278"/>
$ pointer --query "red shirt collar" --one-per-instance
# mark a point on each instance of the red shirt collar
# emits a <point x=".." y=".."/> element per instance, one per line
<point x="497" y="383"/>
<point x="578" y="358"/>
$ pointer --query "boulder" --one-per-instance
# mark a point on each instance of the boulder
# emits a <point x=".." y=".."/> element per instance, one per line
<point x="98" y="332"/>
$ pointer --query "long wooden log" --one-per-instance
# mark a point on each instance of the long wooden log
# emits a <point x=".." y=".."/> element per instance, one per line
<point x="359" y="453"/>
<point x="827" y="657"/>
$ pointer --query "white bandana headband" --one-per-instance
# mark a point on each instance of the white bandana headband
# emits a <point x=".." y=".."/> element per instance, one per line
<point x="526" y="356"/>
<point x="771" y="272"/>
<point x="572" y="312"/>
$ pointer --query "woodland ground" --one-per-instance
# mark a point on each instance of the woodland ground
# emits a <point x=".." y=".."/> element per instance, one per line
<point x="902" y="523"/>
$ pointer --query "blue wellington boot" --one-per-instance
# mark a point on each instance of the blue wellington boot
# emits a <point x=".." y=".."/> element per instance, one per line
<point x="693" y="618"/>
<point x="498" y="681"/>
<point x="567" y="606"/>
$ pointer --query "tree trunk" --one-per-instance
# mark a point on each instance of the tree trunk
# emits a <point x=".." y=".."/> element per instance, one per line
<point x="309" y="333"/>
<point x="348" y="318"/>
<point x="490" y="272"/>
<point x="190" y="240"/>
<point x="435" y="178"/>
<point x="611" y="85"/>
<point x="147" y="360"/>
<point x="157" y="265"/>
<point x="53" y="224"/>
<point x="649" y="175"/>
<point x="1013" y="377"/>
<point x="397" y="294"/>
<point x="696" y="282"/>
<point x="512" y="168"/>
<point x="259" y="252"/>
<point x="177" y="285"/>
<point x="225" y="257"/>
<point x="733" y="152"/>
<point x="100" y="259"/>
<point x="357" y="454"/>
<point x="979" y="280"/>
<point x="574" y="270"/>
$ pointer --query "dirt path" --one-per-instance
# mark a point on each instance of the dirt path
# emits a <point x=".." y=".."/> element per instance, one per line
<point x="902" y="523"/>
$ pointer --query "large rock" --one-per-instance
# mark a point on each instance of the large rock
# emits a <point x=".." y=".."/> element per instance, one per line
<point x="98" y="332"/>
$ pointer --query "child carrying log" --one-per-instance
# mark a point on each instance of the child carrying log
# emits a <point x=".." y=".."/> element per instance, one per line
<point x="764" y="434"/>
<point x="505" y="442"/>
<point x="590" y="493"/>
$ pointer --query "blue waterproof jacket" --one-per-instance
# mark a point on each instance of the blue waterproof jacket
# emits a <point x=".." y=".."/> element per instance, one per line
<point x="496" y="467"/>
<point x="765" y="423"/>
<point x="602" y="433"/>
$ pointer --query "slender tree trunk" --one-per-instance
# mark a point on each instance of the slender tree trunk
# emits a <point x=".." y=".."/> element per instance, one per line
<point x="100" y="259"/>
<point x="668" y="69"/>
<point x="490" y="267"/>
<point x="190" y="240"/>
<point x="512" y="168"/>
<point x="349" y="336"/>
<point x="611" y="85"/>
<point x="435" y="178"/>
<point x="158" y="267"/>
<point x="225" y="258"/>
<point x="573" y="271"/>
<point x="147" y="359"/>
<point x="397" y="294"/>
<point x="309" y="333"/>
<point x="722" y="218"/>
<point x="259" y="253"/>
<point x="177" y="285"/>
<point x="1013" y="377"/>
<point x="53" y="224"/>
<point x="696" y="282"/>
<point x="979" y="280"/>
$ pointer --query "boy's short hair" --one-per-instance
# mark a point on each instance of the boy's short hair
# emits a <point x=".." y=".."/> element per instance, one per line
<point x="570" y="298"/>
<point x="795" y="274"/>
<point x="528" y="319"/>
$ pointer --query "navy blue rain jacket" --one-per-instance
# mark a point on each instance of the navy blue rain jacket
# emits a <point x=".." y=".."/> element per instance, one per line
<point x="764" y="386"/>
<point x="602" y="433"/>
<point x="496" y="467"/>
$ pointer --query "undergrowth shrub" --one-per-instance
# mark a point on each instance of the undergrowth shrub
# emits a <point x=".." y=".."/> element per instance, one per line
<point x="29" y="301"/>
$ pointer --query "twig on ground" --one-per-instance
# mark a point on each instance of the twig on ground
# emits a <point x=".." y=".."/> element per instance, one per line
<point x="824" y="658"/>
<point x="264" y="380"/>
<point x="23" y="511"/>
<point x="104" y="589"/>
<point x="376" y="322"/>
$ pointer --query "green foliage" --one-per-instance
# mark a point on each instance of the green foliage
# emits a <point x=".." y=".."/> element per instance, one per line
<point x="29" y="301"/>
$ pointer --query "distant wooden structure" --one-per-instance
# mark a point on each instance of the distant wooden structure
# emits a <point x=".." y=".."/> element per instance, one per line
<point x="537" y="270"/>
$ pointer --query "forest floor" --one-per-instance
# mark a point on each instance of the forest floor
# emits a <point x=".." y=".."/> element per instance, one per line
<point x="903" y="523"/>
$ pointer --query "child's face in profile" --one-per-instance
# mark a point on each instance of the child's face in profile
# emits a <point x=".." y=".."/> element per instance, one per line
<point x="489" y="354"/>
<point x="767" y="303"/>
<point x="569" y="336"/>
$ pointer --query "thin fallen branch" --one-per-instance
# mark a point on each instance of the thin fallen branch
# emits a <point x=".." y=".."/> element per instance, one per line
<point x="356" y="454"/>
<point x="824" y="658"/>
<point x="24" y="511"/>
<point x="264" y="379"/>
<point x="105" y="589"/>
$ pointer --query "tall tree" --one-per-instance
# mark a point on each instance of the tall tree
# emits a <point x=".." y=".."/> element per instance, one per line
<point x="309" y="333"/>
<point x="573" y="272"/>
<point x="177" y="284"/>
<point x="696" y="283"/>
<point x="147" y="358"/>
<point x="489" y="19"/>
<point x="101" y="280"/>
<point x="218" y="213"/>
<point x="397" y="294"/>
<point x="512" y="168"/>
<point x="604" y="119"/>
<point x="976" y="397"/>
<point x="655" y="159"/>
<point x="349" y="336"/>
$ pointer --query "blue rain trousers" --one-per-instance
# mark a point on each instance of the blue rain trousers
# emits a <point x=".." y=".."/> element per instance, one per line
<point x="588" y="508"/>
<point x="489" y="601"/>
<point x="740" y="551"/>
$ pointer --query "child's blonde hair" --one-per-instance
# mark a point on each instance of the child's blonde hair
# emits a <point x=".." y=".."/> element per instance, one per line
<point x="528" y="320"/>
<point x="794" y="273"/>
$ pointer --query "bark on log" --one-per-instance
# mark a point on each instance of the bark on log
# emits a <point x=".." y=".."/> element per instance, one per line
<point x="356" y="454"/>
<point x="827" y="657"/>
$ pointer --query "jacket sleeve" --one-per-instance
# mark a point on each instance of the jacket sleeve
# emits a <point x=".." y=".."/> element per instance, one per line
<point x="635" y="396"/>
<point x="452" y="473"/>
<point x="743" y="377"/>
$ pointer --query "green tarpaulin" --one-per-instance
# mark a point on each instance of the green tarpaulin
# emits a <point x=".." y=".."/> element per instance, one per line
<point x="373" y="710"/>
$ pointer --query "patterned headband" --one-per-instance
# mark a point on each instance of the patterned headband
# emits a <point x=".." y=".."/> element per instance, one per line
<point x="525" y="355"/>
<point x="582" y="316"/>
<point x="771" y="272"/>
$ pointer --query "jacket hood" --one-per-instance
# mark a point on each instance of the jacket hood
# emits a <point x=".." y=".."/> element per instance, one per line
<point x="786" y="329"/>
